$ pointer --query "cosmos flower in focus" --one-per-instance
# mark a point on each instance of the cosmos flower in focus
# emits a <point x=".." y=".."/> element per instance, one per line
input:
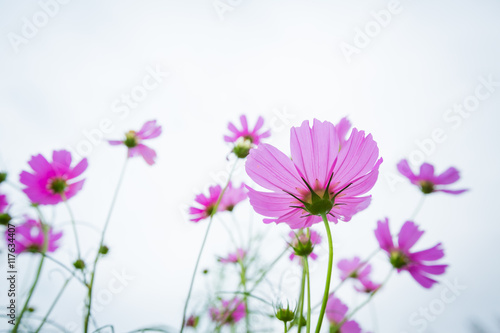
<point x="427" y="181"/>
<point x="335" y="313"/>
<point x="133" y="141"/>
<point x="321" y="177"/>
<point x="233" y="196"/>
<point x="303" y="245"/>
<point x="245" y="139"/>
<point x="239" y="255"/>
<point x="29" y="237"/>
<point x="51" y="183"/>
<point x="228" y="312"/>
<point x="353" y="268"/>
<point x="418" y="264"/>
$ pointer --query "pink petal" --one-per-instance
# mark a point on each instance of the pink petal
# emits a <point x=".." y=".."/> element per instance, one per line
<point x="433" y="269"/>
<point x="61" y="161"/>
<point x="432" y="254"/>
<point x="78" y="169"/>
<point x="115" y="142"/>
<point x="244" y="123"/>
<point x="423" y="280"/>
<point x="350" y="327"/>
<point x="147" y="153"/>
<point x="427" y="172"/>
<point x="448" y="177"/>
<point x="40" y="164"/>
<point x="383" y="235"/>
<point x="452" y="191"/>
<point x="74" y="188"/>
<point x="409" y="235"/>
<point x="405" y="170"/>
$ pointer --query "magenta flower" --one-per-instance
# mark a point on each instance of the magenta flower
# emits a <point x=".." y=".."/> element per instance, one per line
<point x="343" y="128"/>
<point x="245" y="139"/>
<point x="427" y="181"/>
<point x="3" y="203"/>
<point x="229" y="312"/>
<point x="133" y="141"/>
<point x="367" y="285"/>
<point x="233" y="196"/>
<point x="336" y="312"/>
<point x="233" y="258"/>
<point x="353" y="268"/>
<point x="303" y="245"/>
<point x="207" y="204"/>
<point x="53" y="182"/>
<point x="29" y="237"/>
<point x="416" y="263"/>
<point x="192" y="321"/>
<point x="320" y="178"/>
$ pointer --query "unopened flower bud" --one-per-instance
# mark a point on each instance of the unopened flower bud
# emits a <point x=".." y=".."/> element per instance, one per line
<point x="3" y="177"/>
<point x="242" y="147"/>
<point x="79" y="264"/>
<point x="284" y="314"/>
<point x="5" y="219"/>
<point x="103" y="250"/>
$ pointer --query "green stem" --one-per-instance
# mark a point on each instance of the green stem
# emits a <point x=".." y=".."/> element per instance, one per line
<point x="418" y="207"/>
<point x="245" y="299"/>
<point x="92" y="275"/>
<point x="306" y="266"/>
<point x="328" y="275"/>
<point x="285" y="327"/>
<point x="259" y="280"/>
<point x="66" y="268"/>
<point x="301" y="300"/>
<point x="73" y="224"/>
<point x="214" y="210"/>
<point x="54" y="304"/>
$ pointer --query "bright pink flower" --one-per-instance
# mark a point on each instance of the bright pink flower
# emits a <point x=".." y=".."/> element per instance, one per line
<point x="29" y="237"/>
<point x="335" y="313"/>
<point x="367" y="285"/>
<point x="320" y="178"/>
<point x="239" y="255"/>
<point x="207" y="204"/>
<point x="427" y="181"/>
<point x="303" y="244"/>
<point x="229" y="312"/>
<point x="3" y="203"/>
<point x="133" y="141"/>
<point x="53" y="182"/>
<point x="353" y="268"/>
<point x="233" y="196"/>
<point x="416" y="263"/>
<point x="245" y="133"/>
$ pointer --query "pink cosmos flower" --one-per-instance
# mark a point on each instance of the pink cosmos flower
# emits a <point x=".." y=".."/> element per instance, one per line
<point x="367" y="286"/>
<point x="427" y="181"/>
<point x="51" y="183"/>
<point x="353" y="268"/>
<point x="335" y="313"/>
<point x="233" y="196"/>
<point x="416" y="263"/>
<point x="229" y="312"/>
<point x="133" y="141"/>
<point x="3" y="203"/>
<point x="234" y="257"/>
<point x="29" y="237"/>
<point x="303" y="244"/>
<point x="320" y="178"/>
<point x="245" y="139"/>
<point x="343" y="128"/>
<point x="192" y="321"/>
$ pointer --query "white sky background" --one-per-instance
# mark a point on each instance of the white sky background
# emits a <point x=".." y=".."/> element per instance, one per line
<point x="262" y="57"/>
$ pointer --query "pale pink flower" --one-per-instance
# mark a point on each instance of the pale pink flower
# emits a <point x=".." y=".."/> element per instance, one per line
<point x="416" y="263"/>
<point x="336" y="312"/>
<point x="233" y="196"/>
<point x="133" y="141"/>
<point x="301" y="243"/>
<point x="320" y="178"/>
<point x="29" y="237"/>
<point x="233" y="258"/>
<point x="206" y="204"/>
<point x="228" y="312"/>
<point x="428" y="181"/>
<point x="367" y="285"/>
<point x="353" y="268"/>
<point x="246" y="139"/>
<point x="51" y="183"/>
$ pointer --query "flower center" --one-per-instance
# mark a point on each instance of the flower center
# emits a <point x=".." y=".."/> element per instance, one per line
<point x="58" y="185"/>
<point x="210" y="210"/>
<point x="426" y="186"/>
<point x="131" y="139"/>
<point x="242" y="147"/>
<point x="399" y="259"/>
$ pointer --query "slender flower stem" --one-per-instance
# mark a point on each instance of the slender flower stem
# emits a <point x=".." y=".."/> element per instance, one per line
<point x="306" y="266"/>
<point x="285" y="327"/>
<point x="66" y="268"/>
<point x="54" y="303"/>
<point x="214" y="210"/>
<point x="418" y="207"/>
<point x="301" y="300"/>
<point x="92" y="274"/>
<point x="73" y="224"/>
<point x="263" y="275"/>
<point x="245" y="298"/>
<point x="328" y="274"/>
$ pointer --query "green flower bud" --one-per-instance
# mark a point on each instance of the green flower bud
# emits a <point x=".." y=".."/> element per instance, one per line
<point x="284" y="314"/>
<point x="79" y="264"/>
<point x="5" y="219"/>
<point x="3" y="177"/>
<point x="103" y="250"/>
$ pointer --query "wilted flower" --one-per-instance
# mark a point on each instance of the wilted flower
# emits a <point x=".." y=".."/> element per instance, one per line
<point x="133" y="141"/>
<point x="302" y="244"/>
<point x="427" y="181"/>
<point x="233" y="196"/>
<point x="245" y="139"/>
<point x="229" y="312"/>
<point x="320" y="178"/>
<point x="29" y="237"/>
<point x="53" y="182"/>
<point x="416" y="263"/>
<point x="239" y="255"/>
<point x="335" y="313"/>
<point x="353" y="268"/>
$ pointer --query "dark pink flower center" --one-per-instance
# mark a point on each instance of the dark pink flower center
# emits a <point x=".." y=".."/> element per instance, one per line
<point x="58" y="185"/>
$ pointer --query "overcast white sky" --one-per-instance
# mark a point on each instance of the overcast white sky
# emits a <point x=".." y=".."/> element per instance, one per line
<point x="284" y="60"/>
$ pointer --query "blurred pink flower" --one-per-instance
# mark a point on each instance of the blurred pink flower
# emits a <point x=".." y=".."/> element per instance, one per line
<point x="319" y="178"/>
<point x="343" y="128"/>
<point x="207" y="204"/>
<point x="3" y="203"/>
<point x="229" y="312"/>
<point x="353" y="268"/>
<point x="416" y="263"/>
<point x="245" y="133"/>
<point x="300" y="242"/>
<point x="52" y="182"/>
<point x="133" y="141"/>
<point x="427" y="181"/>
<point x="335" y="313"/>
<point x="233" y="196"/>
<point x="367" y="285"/>
<point x="234" y="257"/>
<point x="29" y="237"/>
<point x="192" y="321"/>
